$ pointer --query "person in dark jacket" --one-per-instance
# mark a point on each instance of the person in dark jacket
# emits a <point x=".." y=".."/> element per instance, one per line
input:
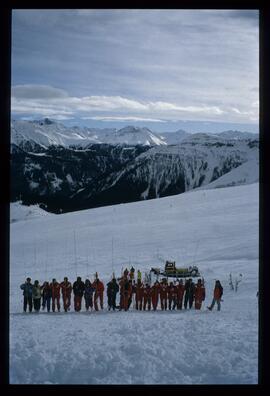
<point x="218" y="292"/>
<point x="78" y="289"/>
<point x="88" y="294"/>
<point x="132" y="273"/>
<point x="46" y="296"/>
<point x="36" y="293"/>
<point x="27" y="288"/>
<point x="112" y="290"/>
<point x="189" y="293"/>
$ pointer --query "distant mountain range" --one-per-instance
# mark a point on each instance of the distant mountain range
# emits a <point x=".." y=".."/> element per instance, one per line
<point x="46" y="132"/>
<point x="51" y="167"/>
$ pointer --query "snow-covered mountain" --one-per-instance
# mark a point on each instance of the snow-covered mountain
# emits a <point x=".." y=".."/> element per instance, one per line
<point x="55" y="176"/>
<point x="27" y="134"/>
<point x="64" y="179"/>
<point x="168" y="170"/>
<point x="46" y="132"/>
<point x="131" y="135"/>
<point x="238" y="135"/>
<point x="174" y="137"/>
<point x="35" y="135"/>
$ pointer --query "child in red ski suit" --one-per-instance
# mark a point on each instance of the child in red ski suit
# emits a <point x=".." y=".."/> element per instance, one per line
<point x="155" y="294"/>
<point x="66" y="289"/>
<point x="147" y="297"/>
<point x="199" y="294"/>
<point x="55" y="287"/>
<point x="99" y="290"/>
<point x="139" y="290"/>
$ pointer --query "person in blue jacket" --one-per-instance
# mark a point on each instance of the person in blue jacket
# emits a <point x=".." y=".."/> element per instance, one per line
<point x="27" y="288"/>
<point x="46" y="296"/>
<point x="88" y="294"/>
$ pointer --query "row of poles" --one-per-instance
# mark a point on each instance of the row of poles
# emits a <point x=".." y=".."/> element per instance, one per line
<point x="76" y="256"/>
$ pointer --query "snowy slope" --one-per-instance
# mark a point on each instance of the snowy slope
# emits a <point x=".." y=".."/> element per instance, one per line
<point x="216" y="229"/>
<point x="19" y="212"/>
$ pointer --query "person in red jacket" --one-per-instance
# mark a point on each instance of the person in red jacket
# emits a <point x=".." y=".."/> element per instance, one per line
<point x="147" y="297"/>
<point x="171" y="295"/>
<point x="66" y="289"/>
<point x="218" y="292"/>
<point x="55" y="287"/>
<point x="122" y="287"/>
<point x="199" y="294"/>
<point x="180" y="290"/>
<point x="99" y="290"/>
<point x="155" y="294"/>
<point x="163" y="292"/>
<point x="127" y="293"/>
<point x="139" y="290"/>
<point x="131" y="290"/>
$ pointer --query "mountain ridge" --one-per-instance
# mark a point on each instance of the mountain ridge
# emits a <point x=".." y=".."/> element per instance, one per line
<point x="47" y="132"/>
<point x="68" y="179"/>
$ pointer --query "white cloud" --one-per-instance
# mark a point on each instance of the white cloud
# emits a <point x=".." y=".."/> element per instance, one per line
<point x="124" y="119"/>
<point x="28" y="100"/>
<point x="252" y="114"/>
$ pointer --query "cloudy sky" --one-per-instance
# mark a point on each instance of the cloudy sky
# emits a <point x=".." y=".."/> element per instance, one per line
<point x="152" y="67"/>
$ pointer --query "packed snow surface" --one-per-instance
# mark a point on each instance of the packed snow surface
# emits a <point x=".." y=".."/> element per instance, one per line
<point x="19" y="212"/>
<point x="215" y="229"/>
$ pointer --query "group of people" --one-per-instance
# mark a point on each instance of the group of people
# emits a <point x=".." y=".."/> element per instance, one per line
<point x="171" y="295"/>
<point x="48" y="295"/>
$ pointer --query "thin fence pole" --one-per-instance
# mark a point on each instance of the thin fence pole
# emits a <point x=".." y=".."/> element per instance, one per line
<point x="35" y="252"/>
<point x="112" y="256"/>
<point x="24" y="265"/>
<point x="75" y="252"/>
<point x="46" y="262"/>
